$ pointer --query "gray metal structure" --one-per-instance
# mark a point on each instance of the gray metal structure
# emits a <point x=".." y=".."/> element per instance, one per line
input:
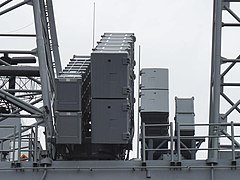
<point x="218" y="84"/>
<point x="88" y="132"/>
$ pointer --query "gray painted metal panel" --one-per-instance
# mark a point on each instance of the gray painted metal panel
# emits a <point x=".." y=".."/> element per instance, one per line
<point x="184" y="105"/>
<point x="68" y="94"/>
<point x="119" y="170"/>
<point x="68" y="126"/>
<point x="154" y="78"/>
<point x="110" y="121"/>
<point x="110" y="75"/>
<point x="185" y="119"/>
<point x="19" y="71"/>
<point x="155" y="101"/>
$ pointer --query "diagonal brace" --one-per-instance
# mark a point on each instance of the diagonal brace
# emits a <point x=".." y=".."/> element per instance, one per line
<point x="21" y="104"/>
<point x="232" y="13"/>
<point x="14" y="7"/>
<point x="231" y="109"/>
<point x="229" y="100"/>
<point x="230" y="138"/>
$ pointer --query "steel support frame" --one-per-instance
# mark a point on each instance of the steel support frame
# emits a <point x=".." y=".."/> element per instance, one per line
<point x="45" y="66"/>
<point x="21" y="104"/>
<point x="48" y="56"/>
<point x="218" y="73"/>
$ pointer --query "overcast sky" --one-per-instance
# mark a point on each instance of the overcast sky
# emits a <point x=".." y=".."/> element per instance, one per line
<point x="173" y="34"/>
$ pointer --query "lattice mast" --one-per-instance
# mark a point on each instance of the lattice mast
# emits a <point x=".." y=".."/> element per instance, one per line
<point x="37" y="82"/>
<point x="220" y="68"/>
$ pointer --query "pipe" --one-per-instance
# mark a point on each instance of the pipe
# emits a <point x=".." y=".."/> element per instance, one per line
<point x="5" y="3"/>
<point x="14" y="7"/>
<point x="17" y="35"/>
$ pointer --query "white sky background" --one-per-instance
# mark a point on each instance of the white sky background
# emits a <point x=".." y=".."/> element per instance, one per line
<point x="173" y="34"/>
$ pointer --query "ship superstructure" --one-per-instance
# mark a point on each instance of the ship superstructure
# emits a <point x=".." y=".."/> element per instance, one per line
<point x="80" y="118"/>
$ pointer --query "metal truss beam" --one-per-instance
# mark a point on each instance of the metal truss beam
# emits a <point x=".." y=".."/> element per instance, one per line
<point x="19" y="103"/>
<point x="19" y="71"/>
<point x="48" y="57"/>
<point x="45" y="64"/>
<point x="14" y="7"/>
<point x="19" y="110"/>
<point x="5" y="3"/>
<point x="23" y="90"/>
<point x="33" y="52"/>
<point x="53" y="34"/>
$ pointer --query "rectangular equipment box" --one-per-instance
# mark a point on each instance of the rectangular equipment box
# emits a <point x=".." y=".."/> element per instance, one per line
<point x="184" y="105"/>
<point x="110" y="121"/>
<point x="110" y="75"/>
<point x="68" y="94"/>
<point x="68" y="125"/>
<point x="154" y="101"/>
<point x="185" y="119"/>
<point x="154" y="78"/>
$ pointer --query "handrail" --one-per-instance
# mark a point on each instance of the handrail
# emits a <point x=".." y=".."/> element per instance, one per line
<point x="22" y="139"/>
<point x="176" y="142"/>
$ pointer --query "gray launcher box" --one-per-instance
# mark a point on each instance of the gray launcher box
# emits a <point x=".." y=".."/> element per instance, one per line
<point x="68" y="126"/>
<point x="110" y="75"/>
<point x="185" y="119"/>
<point x="154" y="78"/>
<point x="68" y="94"/>
<point x="155" y="101"/>
<point x="184" y="105"/>
<point x="110" y="121"/>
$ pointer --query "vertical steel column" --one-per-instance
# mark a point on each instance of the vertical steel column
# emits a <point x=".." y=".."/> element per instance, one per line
<point x="43" y="68"/>
<point x="138" y="103"/>
<point x="30" y="147"/>
<point x="1" y="150"/>
<point x="233" y="143"/>
<point x="46" y="37"/>
<point x="172" y="141"/>
<point x="215" y="86"/>
<point x="14" y="143"/>
<point x="150" y="146"/>
<point x="19" y="143"/>
<point x="178" y="143"/>
<point x="35" y="143"/>
<point x="143" y="144"/>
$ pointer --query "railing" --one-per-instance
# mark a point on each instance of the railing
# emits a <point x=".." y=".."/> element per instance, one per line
<point x="4" y="151"/>
<point x="179" y="145"/>
<point x="21" y="146"/>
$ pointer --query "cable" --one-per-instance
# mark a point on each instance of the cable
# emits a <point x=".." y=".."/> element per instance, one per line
<point x="19" y="28"/>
